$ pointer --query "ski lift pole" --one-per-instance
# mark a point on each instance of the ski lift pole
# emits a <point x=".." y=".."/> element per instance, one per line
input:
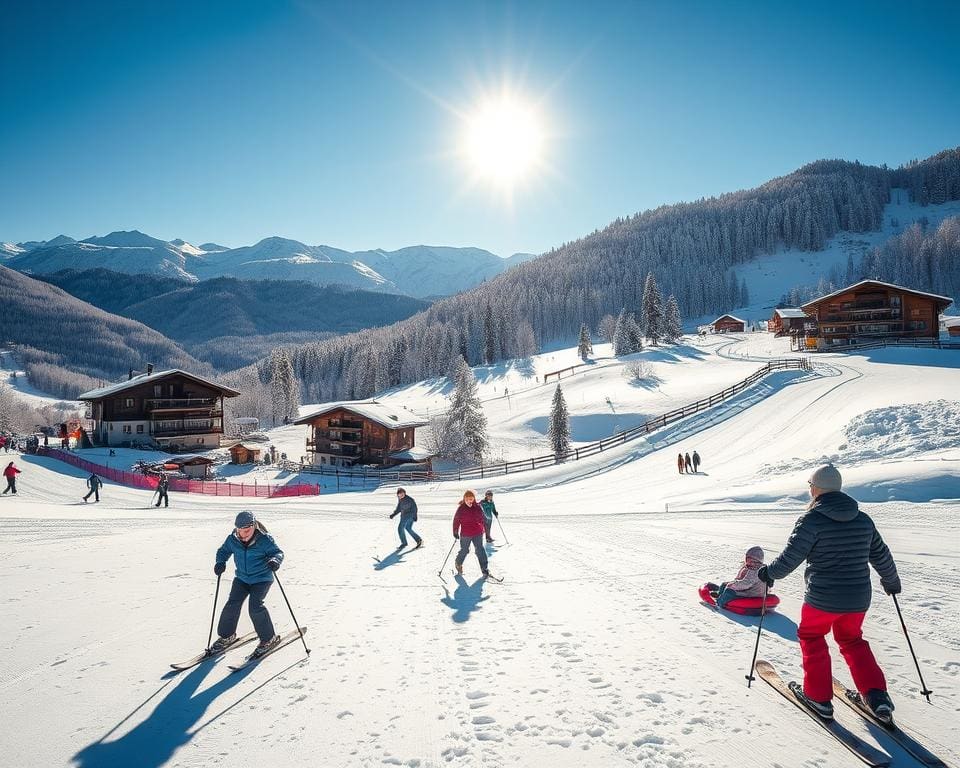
<point x="924" y="691"/>
<point x="756" y="647"/>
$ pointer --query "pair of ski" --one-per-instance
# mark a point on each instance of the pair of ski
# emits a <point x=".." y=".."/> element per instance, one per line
<point x="488" y="577"/>
<point x="290" y="637"/>
<point x="866" y="752"/>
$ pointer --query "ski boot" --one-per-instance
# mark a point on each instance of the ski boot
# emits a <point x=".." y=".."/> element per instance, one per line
<point x="879" y="703"/>
<point x="823" y="709"/>
<point x="222" y="643"/>
<point x="459" y="567"/>
<point x="265" y="646"/>
<point x="419" y="544"/>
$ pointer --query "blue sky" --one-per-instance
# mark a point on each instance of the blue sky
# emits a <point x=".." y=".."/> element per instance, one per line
<point x="335" y="123"/>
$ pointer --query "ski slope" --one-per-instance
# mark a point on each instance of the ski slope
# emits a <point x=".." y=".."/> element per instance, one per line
<point x="595" y="651"/>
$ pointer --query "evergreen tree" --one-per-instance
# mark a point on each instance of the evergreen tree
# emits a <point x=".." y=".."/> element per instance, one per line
<point x="651" y="313"/>
<point x="559" y="431"/>
<point x="744" y="293"/>
<point x="585" y="347"/>
<point x="284" y="387"/>
<point x="466" y="410"/>
<point x="622" y="342"/>
<point x="489" y="337"/>
<point x="634" y="334"/>
<point x="673" y="325"/>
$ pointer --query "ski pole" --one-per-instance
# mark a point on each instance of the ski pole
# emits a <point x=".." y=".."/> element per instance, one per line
<point x="506" y="540"/>
<point x="756" y="647"/>
<point x="291" y="614"/>
<point x="924" y="690"/>
<point x="216" y="594"/>
<point x="440" y="572"/>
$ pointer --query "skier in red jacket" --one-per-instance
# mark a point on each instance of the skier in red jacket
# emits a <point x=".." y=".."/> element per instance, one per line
<point x="468" y="526"/>
<point x="11" y="473"/>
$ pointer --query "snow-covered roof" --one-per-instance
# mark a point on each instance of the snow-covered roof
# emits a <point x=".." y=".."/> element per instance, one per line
<point x="790" y="312"/>
<point x="862" y="283"/>
<point x="951" y="322"/>
<point x="392" y="416"/>
<point x="144" y="378"/>
<point x="416" y="453"/>
<point x="729" y="317"/>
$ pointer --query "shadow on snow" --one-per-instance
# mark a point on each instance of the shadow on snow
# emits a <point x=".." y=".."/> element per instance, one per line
<point x="465" y="599"/>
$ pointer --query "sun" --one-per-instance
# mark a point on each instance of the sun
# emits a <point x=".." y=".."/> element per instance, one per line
<point x="503" y="141"/>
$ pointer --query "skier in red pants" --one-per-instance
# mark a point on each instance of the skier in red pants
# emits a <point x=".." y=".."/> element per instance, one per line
<point x="839" y="544"/>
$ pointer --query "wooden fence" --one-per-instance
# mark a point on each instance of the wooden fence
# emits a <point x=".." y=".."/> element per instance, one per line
<point x="483" y="471"/>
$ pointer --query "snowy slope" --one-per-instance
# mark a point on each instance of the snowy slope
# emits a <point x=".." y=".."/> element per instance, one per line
<point x="594" y="652"/>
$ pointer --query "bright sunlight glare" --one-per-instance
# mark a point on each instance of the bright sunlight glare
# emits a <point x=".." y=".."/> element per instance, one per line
<point x="504" y="141"/>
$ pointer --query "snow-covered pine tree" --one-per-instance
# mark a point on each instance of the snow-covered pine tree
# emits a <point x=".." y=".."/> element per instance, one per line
<point x="559" y="430"/>
<point x="634" y="334"/>
<point x="608" y="327"/>
<point x="466" y="410"/>
<point x="622" y="341"/>
<point x="744" y="293"/>
<point x="673" y="325"/>
<point x="585" y="346"/>
<point x="489" y="337"/>
<point x="651" y="313"/>
<point x="284" y="387"/>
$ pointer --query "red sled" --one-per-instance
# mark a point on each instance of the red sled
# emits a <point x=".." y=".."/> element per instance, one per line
<point x="746" y="606"/>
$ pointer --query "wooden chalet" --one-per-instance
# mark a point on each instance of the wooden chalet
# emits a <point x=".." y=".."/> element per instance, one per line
<point x="170" y="409"/>
<point x="244" y="454"/>
<point x="871" y="310"/>
<point x="728" y="324"/>
<point x="362" y="432"/>
<point x="952" y="326"/>
<point x="789" y="321"/>
<point x="194" y="467"/>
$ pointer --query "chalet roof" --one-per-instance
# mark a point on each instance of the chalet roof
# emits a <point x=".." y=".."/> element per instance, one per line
<point x="416" y="453"/>
<point x="729" y="317"/>
<point x="790" y="312"/>
<point x="951" y="322"/>
<point x="391" y="416"/>
<point x="187" y="460"/>
<point x="936" y="297"/>
<point x="240" y="446"/>
<point x="145" y="378"/>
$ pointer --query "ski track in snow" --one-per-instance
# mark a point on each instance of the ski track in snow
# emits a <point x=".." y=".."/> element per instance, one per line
<point x="595" y="651"/>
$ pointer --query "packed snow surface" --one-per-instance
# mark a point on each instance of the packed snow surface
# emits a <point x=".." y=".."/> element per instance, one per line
<point x="595" y="651"/>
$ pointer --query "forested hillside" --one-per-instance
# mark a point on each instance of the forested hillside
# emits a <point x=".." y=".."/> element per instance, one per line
<point x="54" y="331"/>
<point x="693" y="249"/>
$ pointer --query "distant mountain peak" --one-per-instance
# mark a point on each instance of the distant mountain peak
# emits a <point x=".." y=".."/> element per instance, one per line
<point x="126" y="239"/>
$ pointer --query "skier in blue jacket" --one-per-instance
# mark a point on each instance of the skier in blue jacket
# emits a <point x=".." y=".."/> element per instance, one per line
<point x="256" y="556"/>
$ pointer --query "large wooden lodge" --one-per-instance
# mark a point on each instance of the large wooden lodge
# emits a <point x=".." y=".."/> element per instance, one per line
<point x="871" y="310"/>
<point x="171" y="409"/>
<point x="362" y="432"/>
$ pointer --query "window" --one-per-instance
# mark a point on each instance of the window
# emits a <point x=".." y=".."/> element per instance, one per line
<point x="139" y="429"/>
<point x="199" y="441"/>
<point x="157" y="390"/>
<point x="128" y="402"/>
<point x="126" y="429"/>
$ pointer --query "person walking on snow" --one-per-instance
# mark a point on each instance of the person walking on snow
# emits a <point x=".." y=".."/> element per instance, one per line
<point x="93" y="483"/>
<point x="687" y="463"/>
<point x="162" y="486"/>
<point x="468" y="528"/>
<point x="407" y="509"/>
<point x="11" y="473"/>
<point x="489" y="512"/>
<point x="696" y="462"/>
<point x="747" y="583"/>
<point x="256" y="556"/>
<point x="680" y="462"/>
<point x="839" y="543"/>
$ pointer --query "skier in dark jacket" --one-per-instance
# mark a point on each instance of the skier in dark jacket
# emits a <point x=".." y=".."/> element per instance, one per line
<point x="407" y="509"/>
<point x="489" y="512"/>
<point x="687" y="463"/>
<point x="256" y="556"/>
<point x="468" y="528"/>
<point x="162" y="485"/>
<point x="696" y="462"/>
<point x="839" y="544"/>
<point x="93" y="483"/>
<point x="11" y="473"/>
<point x="680" y="462"/>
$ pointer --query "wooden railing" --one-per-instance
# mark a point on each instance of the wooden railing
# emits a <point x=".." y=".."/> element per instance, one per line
<point x="483" y="471"/>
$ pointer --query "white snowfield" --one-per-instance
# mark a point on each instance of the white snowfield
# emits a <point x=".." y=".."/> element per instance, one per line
<point x="595" y="651"/>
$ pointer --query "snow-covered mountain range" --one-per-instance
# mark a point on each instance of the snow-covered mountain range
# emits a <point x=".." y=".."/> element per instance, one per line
<point x="420" y="271"/>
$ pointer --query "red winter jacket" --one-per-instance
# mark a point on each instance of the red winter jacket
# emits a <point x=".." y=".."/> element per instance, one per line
<point x="11" y="471"/>
<point x="468" y="521"/>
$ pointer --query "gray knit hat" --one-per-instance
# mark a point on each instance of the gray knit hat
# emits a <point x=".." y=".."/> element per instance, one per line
<point x="755" y="553"/>
<point x="826" y="478"/>
<point x="244" y="519"/>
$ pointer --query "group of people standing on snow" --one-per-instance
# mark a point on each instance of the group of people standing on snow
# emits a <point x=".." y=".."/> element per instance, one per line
<point x="686" y="464"/>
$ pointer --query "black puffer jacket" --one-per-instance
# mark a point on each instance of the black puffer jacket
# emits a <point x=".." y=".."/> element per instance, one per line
<point x="406" y="508"/>
<point x="839" y="543"/>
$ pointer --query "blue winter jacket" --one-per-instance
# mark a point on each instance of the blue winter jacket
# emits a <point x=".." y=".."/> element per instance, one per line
<point x="251" y="559"/>
<point x="839" y="543"/>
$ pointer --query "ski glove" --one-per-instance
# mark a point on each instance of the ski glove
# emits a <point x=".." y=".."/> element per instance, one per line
<point x="764" y="576"/>
<point x="219" y="568"/>
<point x="456" y="535"/>
<point x="273" y="564"/>
<point x="891" y="587"/>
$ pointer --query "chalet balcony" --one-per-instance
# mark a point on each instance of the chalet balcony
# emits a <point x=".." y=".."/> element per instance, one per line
<point x="339" y="436"/>
<point x="170" y="427"/>
<point x="346" y="425"/>
<point x="210" y="404"/>
<point x="323" y="446"/>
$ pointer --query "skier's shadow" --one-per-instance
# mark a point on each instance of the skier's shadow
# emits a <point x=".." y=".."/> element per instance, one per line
<point x="152" y="743"/>
<point x="392" y="559"/>
<point x="773" y="622"/>
<point x="465" y="600"/>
